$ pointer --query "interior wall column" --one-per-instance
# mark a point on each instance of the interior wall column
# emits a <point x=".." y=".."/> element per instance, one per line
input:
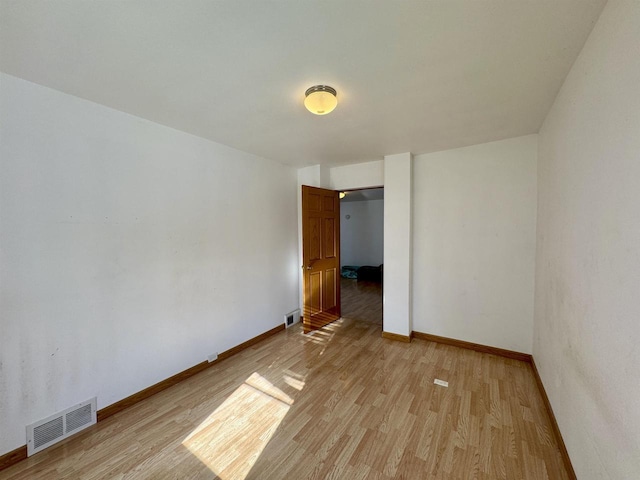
<point x="398" y="170"/>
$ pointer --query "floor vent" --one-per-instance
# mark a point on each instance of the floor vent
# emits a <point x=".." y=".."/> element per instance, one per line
<point x="292" y="318"/>
<point x="51" y="430"/>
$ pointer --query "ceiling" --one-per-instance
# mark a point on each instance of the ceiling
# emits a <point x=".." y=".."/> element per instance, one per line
<point x="412" y="76"/>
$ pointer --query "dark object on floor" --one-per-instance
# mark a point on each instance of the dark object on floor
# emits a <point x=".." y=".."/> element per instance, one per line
<point x="370" y="274"/>
<point x="349" y="271"/>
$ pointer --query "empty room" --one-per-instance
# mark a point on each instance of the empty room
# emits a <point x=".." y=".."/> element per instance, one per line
<point x="175" y="227"/>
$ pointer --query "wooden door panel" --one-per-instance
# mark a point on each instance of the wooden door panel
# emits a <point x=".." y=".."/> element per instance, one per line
<point x="315" y="238"/>
<point x="315" y="203"/>
<point x="330" y="299"/>
<point x="315" y="292"/>
<point x="321" y="256"/>
<point x="329" y="204"/>
<point x="329" y="238"/>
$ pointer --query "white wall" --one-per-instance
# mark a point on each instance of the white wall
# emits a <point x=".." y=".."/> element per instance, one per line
<point x="474" y="243"/>
<point x="361" y="236"/>
<point x="396" y="304"/>
<point x="128" y="252"/>
<point x="587" y="320"/>
<point x="314" y="176"/>
<point x="357" y="175"/>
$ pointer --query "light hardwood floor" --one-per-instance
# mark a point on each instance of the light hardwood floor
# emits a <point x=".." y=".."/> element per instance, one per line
<point x="361" y="300"/>
<point x="342" y="403"/>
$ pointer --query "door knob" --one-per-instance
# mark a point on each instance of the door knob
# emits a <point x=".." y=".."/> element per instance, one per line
<point x="308" y="267"/>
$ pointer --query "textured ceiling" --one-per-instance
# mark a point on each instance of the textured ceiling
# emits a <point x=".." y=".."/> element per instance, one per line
<point x="416" y="76"/>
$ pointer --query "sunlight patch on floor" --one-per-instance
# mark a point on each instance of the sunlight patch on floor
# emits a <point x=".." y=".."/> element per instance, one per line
<point x="232" y="438"/>
<point x="324" y="335"/>
<point x="293" y="382"/>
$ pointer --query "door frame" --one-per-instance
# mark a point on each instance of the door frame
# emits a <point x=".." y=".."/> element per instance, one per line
<point x="378" y="187"/>
<point x="301" y="285"/>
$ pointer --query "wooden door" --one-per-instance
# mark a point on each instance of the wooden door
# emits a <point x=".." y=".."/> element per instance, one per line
<point x="320" y="256"/>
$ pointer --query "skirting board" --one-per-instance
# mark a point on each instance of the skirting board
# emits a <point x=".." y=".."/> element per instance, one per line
<point x="554" y="424"/>
<point x="20" y="453"/>
<point x="396" y="337"/>
<point x="13" y="457"/>
<point x="523" y="357"/>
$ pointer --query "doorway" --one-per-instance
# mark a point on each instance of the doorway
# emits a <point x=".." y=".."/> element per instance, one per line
<point x="362" y="254"/>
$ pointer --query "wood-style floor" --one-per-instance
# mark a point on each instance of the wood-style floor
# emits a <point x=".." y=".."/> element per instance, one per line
<point x="342" y="403"/>
<point x="361" y="300"/>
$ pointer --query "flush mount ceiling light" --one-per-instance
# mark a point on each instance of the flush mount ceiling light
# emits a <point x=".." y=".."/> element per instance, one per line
<point x="320" y="99"/>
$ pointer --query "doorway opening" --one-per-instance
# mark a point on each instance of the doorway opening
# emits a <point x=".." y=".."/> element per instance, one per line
<point x="361" y="254"/>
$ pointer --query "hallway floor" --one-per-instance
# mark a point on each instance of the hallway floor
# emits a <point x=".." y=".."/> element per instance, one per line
<point x="361" y="300"/>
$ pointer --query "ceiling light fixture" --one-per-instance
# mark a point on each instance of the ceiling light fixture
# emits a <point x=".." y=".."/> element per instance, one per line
<point x="320" y="99"/>
<point x="342" y="195"/>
